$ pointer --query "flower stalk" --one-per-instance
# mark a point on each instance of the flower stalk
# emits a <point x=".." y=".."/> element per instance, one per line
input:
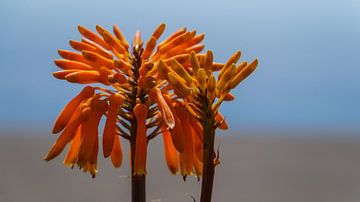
<point x="209" y="155"/>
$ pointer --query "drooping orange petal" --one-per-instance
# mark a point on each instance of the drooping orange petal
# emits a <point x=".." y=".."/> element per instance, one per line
<point x="116" y="153"/>
<point x="140" y="112"/>
<point x="187" y="157"/>
<point x="73" y="152"/>
<point x="68" y="134"/>
<point x="171" y="155"/>
<point x="90" y="128"/>
<point x="70" y="108"/>
<point x="219" y="118"/>
<point x="198" y="145"/>
<point x="110" y="124"/>
<point x="176" y="134"/>
<point x="198" y="165"/>
<point x="197" y="127"/>
<point x="165" y="111"/>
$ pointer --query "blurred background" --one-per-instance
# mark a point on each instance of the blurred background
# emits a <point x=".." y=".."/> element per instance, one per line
<point x="294" y="126"/>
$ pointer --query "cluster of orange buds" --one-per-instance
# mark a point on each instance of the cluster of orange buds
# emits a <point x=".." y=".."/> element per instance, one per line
<point x="134" y="99"/>
<point x="198" y="95"/>
<point x="197" y="86"/>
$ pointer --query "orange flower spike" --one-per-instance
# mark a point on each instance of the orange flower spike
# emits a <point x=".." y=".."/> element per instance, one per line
<point x="233" y="59"/>
<point x="120" y="36"/>
<point x="171" y="155"/>
<point x="113" y="42"/>
<point x="110" y="124"/>
<point x="159" y="31"/>
<point x="165" y="111"/>
<point x="94" y="57"/>
<point x="93" y="37"/>
<point x="116" y="153"/>
<point x="137" y="39"/>
<point x="68" y="134"/>
<point x="140" y="112"/>
<point x="219" y="118"/>
<point x="69" y="64"/>
<point x="73" y="152"/>
<point x="181" y="71"/>
<point x="90" y="140"/>
<point x="150" y="45"/>
<point x="70" y="108"/>
<point x="243" y="74"/>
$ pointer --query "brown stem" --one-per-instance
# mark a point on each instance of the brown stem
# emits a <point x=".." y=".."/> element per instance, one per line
<point x="208" y="156"/>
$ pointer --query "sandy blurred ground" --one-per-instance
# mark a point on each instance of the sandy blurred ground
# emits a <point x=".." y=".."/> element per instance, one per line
<point x="252" y="169"/>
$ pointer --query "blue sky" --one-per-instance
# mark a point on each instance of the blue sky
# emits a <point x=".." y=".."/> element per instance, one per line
<point x="308" y="77"/>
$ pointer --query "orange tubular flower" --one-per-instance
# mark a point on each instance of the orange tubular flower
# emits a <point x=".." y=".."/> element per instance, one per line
<point x="140" y="112"/>
<point x="110" y="125"/>
<point x="132" y="76"/>
<point x="171" y="155"/>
